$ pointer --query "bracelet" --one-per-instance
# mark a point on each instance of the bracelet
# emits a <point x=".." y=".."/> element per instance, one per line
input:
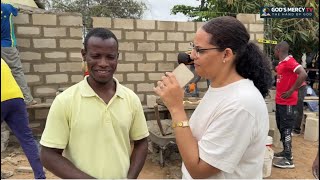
<point x="180" y="124"/>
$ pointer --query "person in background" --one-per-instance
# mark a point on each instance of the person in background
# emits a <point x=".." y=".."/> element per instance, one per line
<point x="290" y="76"/>
<point x="226" y="134"/>
<point x="14" y="113"/>
<point x="91" y="124"/>
<point x="302" y="92"/>
<point x="9" y="51"/>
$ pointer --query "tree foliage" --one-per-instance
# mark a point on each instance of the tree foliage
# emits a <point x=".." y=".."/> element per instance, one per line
<point x="99" y="8"/>
<point x="301" y="34"/>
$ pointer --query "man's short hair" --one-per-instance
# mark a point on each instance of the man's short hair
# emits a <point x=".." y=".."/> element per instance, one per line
<point x="102" y="33"/>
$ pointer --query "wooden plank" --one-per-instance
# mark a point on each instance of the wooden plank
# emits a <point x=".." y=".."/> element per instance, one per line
<point x="39" y="106"/>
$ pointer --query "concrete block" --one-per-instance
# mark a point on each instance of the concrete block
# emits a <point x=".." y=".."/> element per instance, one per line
<point x="41" y="113"/>
<point x="166" y="67"/>
<point x="155" y="76"/>
<point x="44" y="19"/>
<point x="48" y="67"/>
<point x="44" y="91"/>
<point x="117" y="33"/>
<point x="76" y="32"/>
<point x="175" y="36"/>
<point x="246" y="26"/>
<point x="155" y="56"/>
<point x="155" y="36"/>
<point x="145" y="87"/>
<point x="256" y="28"/>
<point x="311" y="132"/>
<point x="123" y="23"/>
<point x="70" y="67"/>
<point x="190" y="37"/>
<point x="141" y="97"/>
<point x="145" y="24"/>
<point x="138" y="35"/>
<point x="146" y="46"/>
<point x="49" y="100"/>
<point x="150" y="67"/>
<point x="183" y="46"/>
<point x="171" y="57"/>
<point x="125" y="68"/>
<point x="30" y="56"/>
<point x="55" y="32"/>
<point x="21" y="42"/>
<point x="26" y="67"/>
<point x="119" y="77"/>
<point x="135" y="77"/>
<point x="126" y="46"/>
<point x="21" y="30"/>
<point x="56" y="55"/>
<point x="75" y="56"/>
<point x="166" y="25"/>
<point x="71" y="43"/>
<point x="130" y="86"/>
<point x="246" y="18"/>
<point x="70" y="20"/>
<point x="104" y="22"/>
<point x="259" y="19"/>
<point x="32" y="78"/>
<point x="251" y="36"/>
<point x="199" y="24"/>
<point x="259" y="36"/>
<point x="275" y="131"/>
<point x="151" y="101"/>
<point x="44" y="43"/>
<point x="56" y="78"/>
<point x="133" y="57"/>
<point x="76" y="78"/>
<point x="186" y="26"/>
<point x="270" y="105"/>
<point x="21" y="19"/>
<point x="166" y="46"/>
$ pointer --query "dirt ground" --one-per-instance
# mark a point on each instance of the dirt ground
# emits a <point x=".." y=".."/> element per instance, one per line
<point x="304" y="153"/>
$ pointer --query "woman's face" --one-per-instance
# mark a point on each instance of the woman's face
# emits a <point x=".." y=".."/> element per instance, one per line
<point x="208" y="63"/>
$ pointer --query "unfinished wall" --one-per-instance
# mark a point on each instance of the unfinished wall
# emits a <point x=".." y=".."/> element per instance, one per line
<point x="50" y="45"/>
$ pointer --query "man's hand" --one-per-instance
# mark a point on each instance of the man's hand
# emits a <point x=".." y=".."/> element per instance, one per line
<point x="287" y="94"/>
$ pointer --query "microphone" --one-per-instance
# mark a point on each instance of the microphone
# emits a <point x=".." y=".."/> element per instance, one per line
<point x="184" y="57"/>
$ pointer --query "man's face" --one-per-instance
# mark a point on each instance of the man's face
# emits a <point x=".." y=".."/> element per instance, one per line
<point x="102" y="59"/>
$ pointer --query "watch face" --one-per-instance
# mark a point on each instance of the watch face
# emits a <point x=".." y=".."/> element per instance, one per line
<point x="180" y="124"/>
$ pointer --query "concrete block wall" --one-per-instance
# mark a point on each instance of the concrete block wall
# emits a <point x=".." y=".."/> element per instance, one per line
<point x="148" y="48"/>
<point x="50" y="45"/>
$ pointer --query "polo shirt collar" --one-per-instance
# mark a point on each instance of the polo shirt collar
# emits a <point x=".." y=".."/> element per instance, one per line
<point x="286" y="58"/>
<point x="87" y="91"/>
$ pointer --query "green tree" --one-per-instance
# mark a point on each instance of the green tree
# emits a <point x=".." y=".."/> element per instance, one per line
<point x="301" y="34"/>
<point x="99" y="8"/>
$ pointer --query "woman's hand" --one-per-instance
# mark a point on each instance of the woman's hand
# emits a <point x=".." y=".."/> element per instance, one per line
<point x="170" y="92"/>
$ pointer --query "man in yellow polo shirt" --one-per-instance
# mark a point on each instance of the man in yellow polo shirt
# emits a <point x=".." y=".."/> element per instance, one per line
<point x="91" y="124"/>
<point x="14" y="113"/>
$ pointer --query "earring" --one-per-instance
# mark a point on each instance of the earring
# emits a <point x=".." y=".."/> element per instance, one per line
<point x="224" y="61"/>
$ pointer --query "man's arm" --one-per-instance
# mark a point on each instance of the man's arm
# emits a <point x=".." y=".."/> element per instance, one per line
<point x="138" y="157"/>
<point x="53" y="160"/>
<point x="302" y="75"/>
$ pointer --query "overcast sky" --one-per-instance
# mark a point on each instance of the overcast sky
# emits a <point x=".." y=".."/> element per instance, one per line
<point x="160" y="9"/>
